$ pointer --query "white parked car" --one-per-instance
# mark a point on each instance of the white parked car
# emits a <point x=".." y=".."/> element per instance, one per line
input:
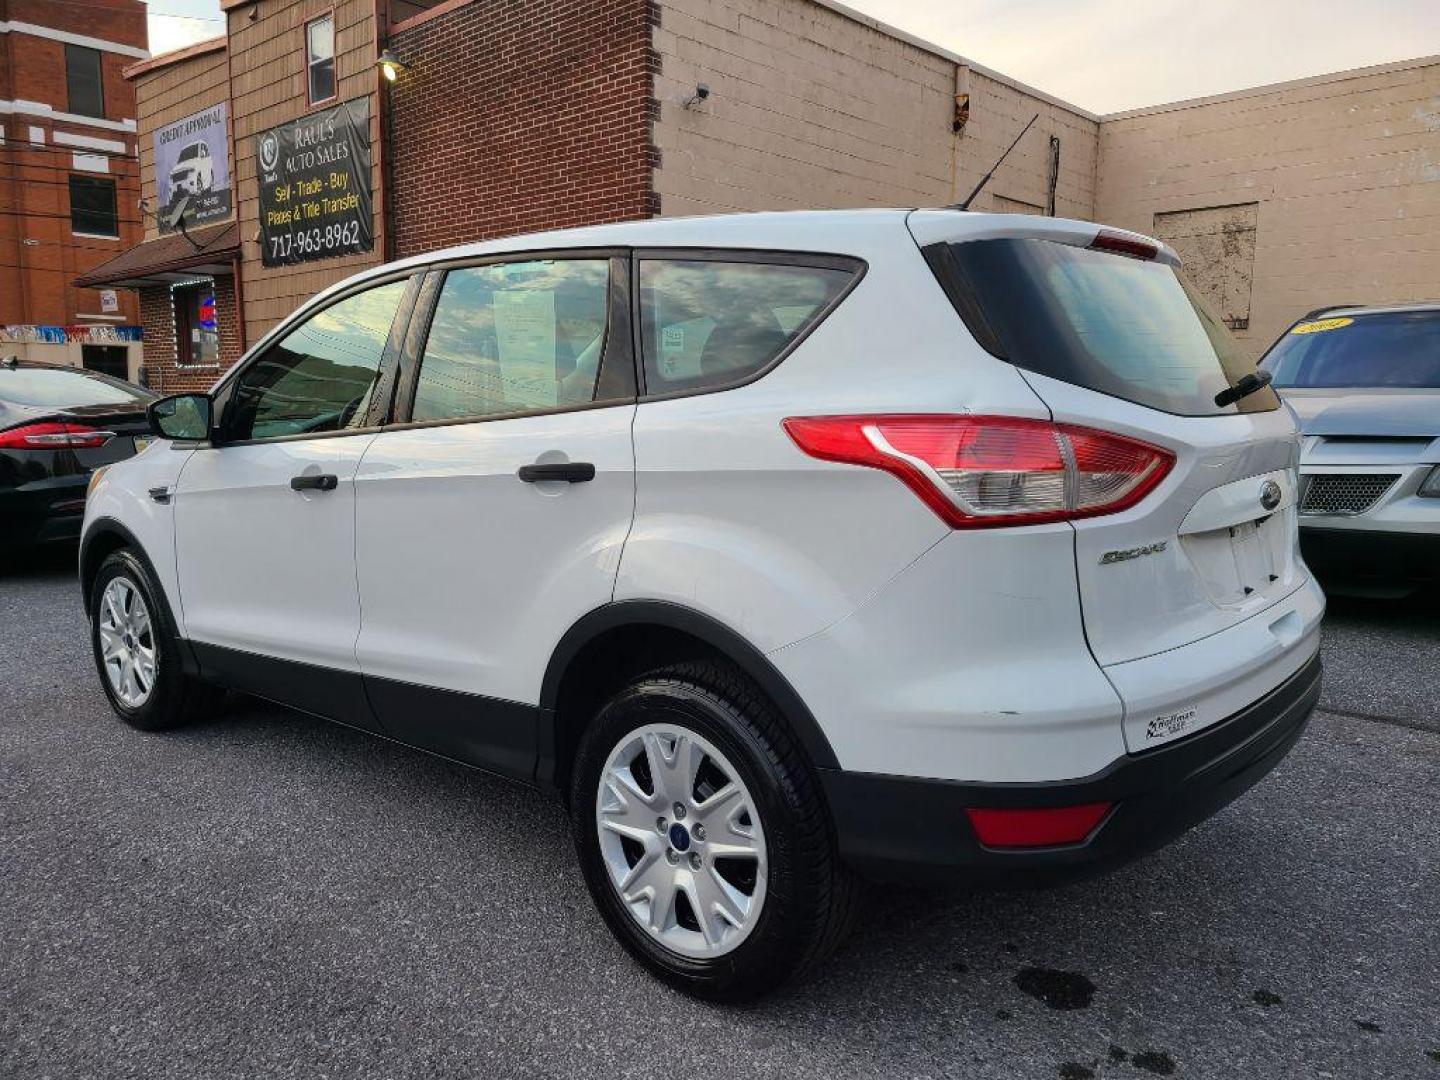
<point x="194" y="170"/>
<point x="1365" y="383"/>
<point x="788" y="547"/>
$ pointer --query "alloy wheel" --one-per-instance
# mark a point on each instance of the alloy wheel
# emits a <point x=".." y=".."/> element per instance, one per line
<point x="681" y="840"/>
<point x="127" y="642"/>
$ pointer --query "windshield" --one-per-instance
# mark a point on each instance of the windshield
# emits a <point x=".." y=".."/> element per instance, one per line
<point x="52" y="388"/>
<point x="1126" y="327"/>
<point x="1389" y="349"/>
<point x="189" y="152"/>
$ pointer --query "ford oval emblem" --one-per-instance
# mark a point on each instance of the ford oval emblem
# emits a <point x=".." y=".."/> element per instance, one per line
<point x="1270" y="495"/>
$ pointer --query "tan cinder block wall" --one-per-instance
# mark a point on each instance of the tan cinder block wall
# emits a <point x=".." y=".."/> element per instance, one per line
<point x="168" y="94"/>
<point x="1345" y="169"/>
<point x="813" y="106"/>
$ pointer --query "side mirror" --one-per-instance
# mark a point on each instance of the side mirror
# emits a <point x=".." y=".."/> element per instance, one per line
<point x="186" y="417"/>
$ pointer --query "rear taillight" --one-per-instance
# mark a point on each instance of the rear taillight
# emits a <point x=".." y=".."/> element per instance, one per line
<point x="54" y="436"/>
<point x="989" y="471"/>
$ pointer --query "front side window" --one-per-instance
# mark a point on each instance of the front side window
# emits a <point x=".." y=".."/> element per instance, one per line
<point x="707" y="324"/>
<point x="84" y="83"/>
<point x="319" y="376"/>
<point x="320" y="58"/>
<point x="92" y="206"/>
<point x="514" y="337"/>
<point x="1397" y="349"/>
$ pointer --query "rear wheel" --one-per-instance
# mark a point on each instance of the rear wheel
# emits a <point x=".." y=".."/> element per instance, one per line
<point x="704" y="837"/>
<point x="137" y="651"/>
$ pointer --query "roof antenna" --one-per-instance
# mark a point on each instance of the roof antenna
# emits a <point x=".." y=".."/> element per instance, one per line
<point x="986" y="178"/>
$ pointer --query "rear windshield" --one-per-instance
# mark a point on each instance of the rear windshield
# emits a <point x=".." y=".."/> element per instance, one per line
<point x="54" y="389"/>
<point x="1129" y="328"/>
<point x="1396" y="348"/>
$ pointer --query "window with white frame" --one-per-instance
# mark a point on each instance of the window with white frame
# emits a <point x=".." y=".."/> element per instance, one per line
<point x="320" y="58"/>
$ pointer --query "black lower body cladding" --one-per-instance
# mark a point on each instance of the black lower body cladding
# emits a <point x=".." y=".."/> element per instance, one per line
<point x="895" y="827"/>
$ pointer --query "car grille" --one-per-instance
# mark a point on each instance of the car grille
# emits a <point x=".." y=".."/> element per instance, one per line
<point x="1344" y="493"/>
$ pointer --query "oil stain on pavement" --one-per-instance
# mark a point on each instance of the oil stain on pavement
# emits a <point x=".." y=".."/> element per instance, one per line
<point x="1058" y="989"/>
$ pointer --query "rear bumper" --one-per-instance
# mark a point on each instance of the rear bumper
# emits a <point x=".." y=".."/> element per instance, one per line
<point x="1372" y="555"/>
<point x="43" y="513"/>
<point x="894" y="827"/>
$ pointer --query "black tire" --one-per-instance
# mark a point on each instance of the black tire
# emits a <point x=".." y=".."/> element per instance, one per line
<point x="811" y="897"/>
<point x="175" y="698"/>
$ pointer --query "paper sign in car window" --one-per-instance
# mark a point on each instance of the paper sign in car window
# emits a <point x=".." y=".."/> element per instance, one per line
<point x="525" y="333"/>
<point x="1319" y="326"/>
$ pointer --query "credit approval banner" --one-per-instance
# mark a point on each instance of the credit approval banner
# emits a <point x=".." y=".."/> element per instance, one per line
<point x="192" y="169"/>
<point x="315" y="199"/>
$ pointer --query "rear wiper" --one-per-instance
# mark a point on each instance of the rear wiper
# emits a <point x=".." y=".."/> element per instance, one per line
<point x="1244" y="388"/>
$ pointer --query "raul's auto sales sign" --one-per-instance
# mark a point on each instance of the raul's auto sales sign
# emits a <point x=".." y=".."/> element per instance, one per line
<point x="314" y="173"/>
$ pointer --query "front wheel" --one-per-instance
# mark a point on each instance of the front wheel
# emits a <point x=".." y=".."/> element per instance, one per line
<point x="137" y="651"/>
<point x="703" y="835"/>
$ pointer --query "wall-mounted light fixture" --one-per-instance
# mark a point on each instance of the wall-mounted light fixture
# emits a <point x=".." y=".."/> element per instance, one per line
<point x="390" y="64"/>
<point x="702" y="93"/>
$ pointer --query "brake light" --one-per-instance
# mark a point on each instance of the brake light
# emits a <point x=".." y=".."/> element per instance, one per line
<point x="1047" y="827"/>
<point x="54" y="436"/>
<point x="1121" y="244"/>
<point x="990" y="471"/>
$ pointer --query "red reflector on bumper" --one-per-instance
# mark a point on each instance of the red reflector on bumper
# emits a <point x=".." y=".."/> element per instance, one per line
<point x="1037" y="827"/>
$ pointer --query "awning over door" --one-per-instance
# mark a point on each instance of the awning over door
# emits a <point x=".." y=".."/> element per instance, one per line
<point x="170" y="259"/>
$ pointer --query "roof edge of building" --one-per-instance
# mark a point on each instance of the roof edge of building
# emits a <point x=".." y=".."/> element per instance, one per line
<point x="940" y="51"/>
<point x="1270" y="88"/>
<point x="175" y="56"/>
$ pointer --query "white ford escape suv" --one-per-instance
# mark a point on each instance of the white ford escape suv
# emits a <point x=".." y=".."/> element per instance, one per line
<point x="789" y="547"/>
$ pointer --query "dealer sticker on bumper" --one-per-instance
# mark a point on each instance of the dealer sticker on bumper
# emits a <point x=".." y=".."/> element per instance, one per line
<point x="1169" y="725"/>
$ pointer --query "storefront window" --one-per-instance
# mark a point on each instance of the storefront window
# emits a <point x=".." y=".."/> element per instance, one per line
<point x="197" y="335"/>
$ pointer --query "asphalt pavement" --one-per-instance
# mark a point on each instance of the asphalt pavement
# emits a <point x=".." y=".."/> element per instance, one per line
<point x="266" y="895"/>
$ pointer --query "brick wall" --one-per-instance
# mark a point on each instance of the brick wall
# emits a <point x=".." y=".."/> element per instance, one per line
<point x="520" y="115"/>
<point x="812" y="105"/>
<point x="157" y="317"/>
<point x="34" y="179"/>
<point x="1342" y="172"/>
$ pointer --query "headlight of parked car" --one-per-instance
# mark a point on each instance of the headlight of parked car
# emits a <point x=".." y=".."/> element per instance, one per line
<point x="95" y="479"/>
<point x="1430" y="489"/>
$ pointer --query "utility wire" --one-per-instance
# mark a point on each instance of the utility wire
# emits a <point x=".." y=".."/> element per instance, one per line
<point x="8" y="212"/>
<point x="183" y="18"/>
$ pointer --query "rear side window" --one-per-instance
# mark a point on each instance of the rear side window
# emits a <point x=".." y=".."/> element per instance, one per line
<point x="1125" y="327"/>
<point x="707" y="324"/>
<point x="1395" y="349"/>
<point x="514" y="337"/>
<point x="48" y="388"/>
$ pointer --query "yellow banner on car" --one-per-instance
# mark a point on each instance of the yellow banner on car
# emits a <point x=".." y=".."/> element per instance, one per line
<point x="1319" y="326"/>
